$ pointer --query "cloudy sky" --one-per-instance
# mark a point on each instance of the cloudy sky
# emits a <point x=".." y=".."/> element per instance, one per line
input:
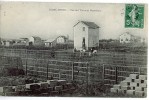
<point x="49" y="20"/>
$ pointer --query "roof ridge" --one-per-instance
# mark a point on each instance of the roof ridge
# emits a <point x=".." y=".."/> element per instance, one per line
<point x="89" y="24"/>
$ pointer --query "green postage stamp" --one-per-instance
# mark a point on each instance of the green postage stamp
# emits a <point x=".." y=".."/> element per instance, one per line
<point x="134" y="16"/>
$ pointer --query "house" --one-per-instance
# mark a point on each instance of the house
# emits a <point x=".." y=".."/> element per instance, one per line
<point x="129" y="38"/>
<point x="34" y="41"/>
<point x="49" y="42"/>
<point x="86" y="35"/>
<point x="24" y="40"/>
<point x="126" y="38"/>
<point x="60" y="40"/>
<point x="21" y="42"/>
<point x="7" y="43"/>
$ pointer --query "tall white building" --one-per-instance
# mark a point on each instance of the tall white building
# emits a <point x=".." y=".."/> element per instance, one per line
<point x="86" y="35"/>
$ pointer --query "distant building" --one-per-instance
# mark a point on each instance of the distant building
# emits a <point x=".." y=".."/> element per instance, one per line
<point x="34" y="41"/>
<point x="86" y="35"/>
<point x="7" y="43"/>
<point x="24" y="40"/>
<point x="129" y="38"/>
<point x="49" y="42"/>
<point x="60" y="40"/>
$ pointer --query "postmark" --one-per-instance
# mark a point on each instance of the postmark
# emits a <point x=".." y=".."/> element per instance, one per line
<point x="134" y="16"/>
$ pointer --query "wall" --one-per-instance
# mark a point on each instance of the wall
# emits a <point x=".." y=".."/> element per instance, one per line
<point x="93" y="35"/>
<point x="60" y="40"/>
<point x="79" y="34"/>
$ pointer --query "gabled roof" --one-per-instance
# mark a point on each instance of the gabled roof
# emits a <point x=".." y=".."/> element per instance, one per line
<point x="49" y="40"/>
<point x="62" y="37"/>
<point x="36" y="37"/>
<point x="24" y="38"/>
<point x="89" y="24"/>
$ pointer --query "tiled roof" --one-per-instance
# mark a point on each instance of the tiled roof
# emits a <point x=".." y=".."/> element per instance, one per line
<point x="36" y="37"/>
<point x="49" y="40"/>
<point x="89" y="24"/>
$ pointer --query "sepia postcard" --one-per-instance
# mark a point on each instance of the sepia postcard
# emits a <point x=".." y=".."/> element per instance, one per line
<point x="52" y="49"/>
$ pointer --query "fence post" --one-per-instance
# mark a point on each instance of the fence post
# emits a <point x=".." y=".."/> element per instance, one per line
<point x="59" y="72"/>
<point x="139" y="70"/>
<point x="72" y="70"/>
<point x="47" y="69"/>
<point x="87" y="78"/>
<point x="26" y="60"/>
<point x="26" y="67"/>
<point x="103" y="72"/>
<point x="116" y="75"/>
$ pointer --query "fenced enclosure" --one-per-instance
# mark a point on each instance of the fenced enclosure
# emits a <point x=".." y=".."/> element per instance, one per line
<point x="67" y="70"/>
<point x="104" y="66"/>
<point x="115" y="74"/>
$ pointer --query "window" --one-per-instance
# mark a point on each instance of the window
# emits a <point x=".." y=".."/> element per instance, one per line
<point x="83" y="28"/>
<point x="126" y="39"/>
<point x="128" y="83"/>
<point x="142" y="81"/>
<point x="133" y="88"/>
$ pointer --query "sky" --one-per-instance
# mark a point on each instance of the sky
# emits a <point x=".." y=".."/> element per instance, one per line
<point x="49" y="20"/>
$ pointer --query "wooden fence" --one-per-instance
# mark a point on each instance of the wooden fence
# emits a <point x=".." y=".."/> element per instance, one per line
<point x="113" y="74"/>
<point x="111" y="67"/>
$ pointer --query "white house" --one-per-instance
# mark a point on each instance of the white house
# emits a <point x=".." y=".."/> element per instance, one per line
<point x="129" y="38"/>
<point x="126" y="38"/>
<point x="86" y="35"/>
<point x="53" y="42"/>
<point x="49" y="42"/>
<point x="34" y="41"/>
<point x="61" y="40"/>
<point x="6" y="42"/>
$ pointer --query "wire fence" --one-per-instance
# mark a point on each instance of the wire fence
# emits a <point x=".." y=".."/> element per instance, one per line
<point x="110" y="67"/>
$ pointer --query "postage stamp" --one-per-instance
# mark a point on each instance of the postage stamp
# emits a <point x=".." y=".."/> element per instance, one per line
<point x="134" y="16"/>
